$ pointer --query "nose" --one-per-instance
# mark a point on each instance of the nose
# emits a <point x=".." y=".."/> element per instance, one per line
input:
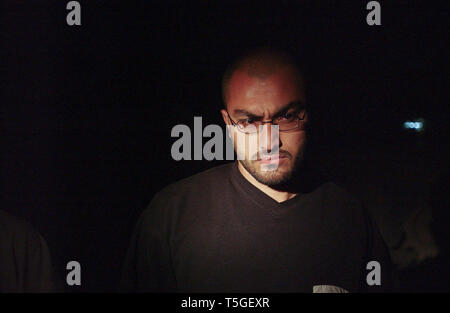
<point x="269" y="137"/>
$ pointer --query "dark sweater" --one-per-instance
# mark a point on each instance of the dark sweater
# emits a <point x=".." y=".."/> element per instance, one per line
<point x="216" y="232"/>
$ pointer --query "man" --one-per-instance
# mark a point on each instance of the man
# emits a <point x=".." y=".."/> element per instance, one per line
<point x="25" y="263"/>
<point x="265" y="223"/>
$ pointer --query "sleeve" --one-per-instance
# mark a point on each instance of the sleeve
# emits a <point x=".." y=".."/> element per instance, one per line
<point x="148" y="265"/>
<point x="36" y="268"/>
<point x="25" y="261"/>
<point x="378" y="275"/>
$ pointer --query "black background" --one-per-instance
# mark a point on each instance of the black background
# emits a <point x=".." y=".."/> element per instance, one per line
<point x="87" y="110"/>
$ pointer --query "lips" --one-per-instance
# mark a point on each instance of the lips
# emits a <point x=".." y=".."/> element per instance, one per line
<point x="271" y="159"/>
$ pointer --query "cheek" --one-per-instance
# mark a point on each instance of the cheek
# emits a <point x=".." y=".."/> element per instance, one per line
<point x="246" y="146"/>
<point x="294" y="142"/>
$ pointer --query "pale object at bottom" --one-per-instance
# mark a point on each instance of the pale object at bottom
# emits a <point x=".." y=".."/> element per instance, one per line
<point x="328" y="289"/>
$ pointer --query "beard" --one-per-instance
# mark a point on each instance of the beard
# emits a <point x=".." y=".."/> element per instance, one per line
<point x="276" y="176"/>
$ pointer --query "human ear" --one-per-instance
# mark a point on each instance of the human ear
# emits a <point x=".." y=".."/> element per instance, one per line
<point x="225" y="117"/>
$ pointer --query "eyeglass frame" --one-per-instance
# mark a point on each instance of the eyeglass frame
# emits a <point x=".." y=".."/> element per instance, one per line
<point x="235" y="124"/>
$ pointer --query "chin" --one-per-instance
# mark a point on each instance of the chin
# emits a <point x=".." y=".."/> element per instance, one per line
<point x="271" y="178"/>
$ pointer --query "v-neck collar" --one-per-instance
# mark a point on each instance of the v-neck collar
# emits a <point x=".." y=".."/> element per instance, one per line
<point x="260" y="198"/>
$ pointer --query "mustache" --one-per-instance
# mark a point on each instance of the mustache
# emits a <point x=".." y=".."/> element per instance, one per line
<point x="281" y="153"/>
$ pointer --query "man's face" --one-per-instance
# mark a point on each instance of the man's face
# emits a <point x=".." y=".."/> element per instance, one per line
<point x="265" y="99"/>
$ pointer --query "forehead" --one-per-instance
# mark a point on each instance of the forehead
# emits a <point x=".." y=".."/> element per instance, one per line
<point x="264" y="96"/>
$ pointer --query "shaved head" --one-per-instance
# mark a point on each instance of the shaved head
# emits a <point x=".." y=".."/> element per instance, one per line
<point x="261" y="63"/>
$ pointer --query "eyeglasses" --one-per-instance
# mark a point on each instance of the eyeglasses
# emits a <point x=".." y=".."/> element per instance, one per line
<point x="286" y="122"/>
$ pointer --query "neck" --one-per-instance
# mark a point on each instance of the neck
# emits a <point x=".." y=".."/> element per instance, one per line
<point x="277" y="195"/>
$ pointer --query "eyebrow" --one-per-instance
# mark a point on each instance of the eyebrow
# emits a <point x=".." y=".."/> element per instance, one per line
<point x="287" y="107"/>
